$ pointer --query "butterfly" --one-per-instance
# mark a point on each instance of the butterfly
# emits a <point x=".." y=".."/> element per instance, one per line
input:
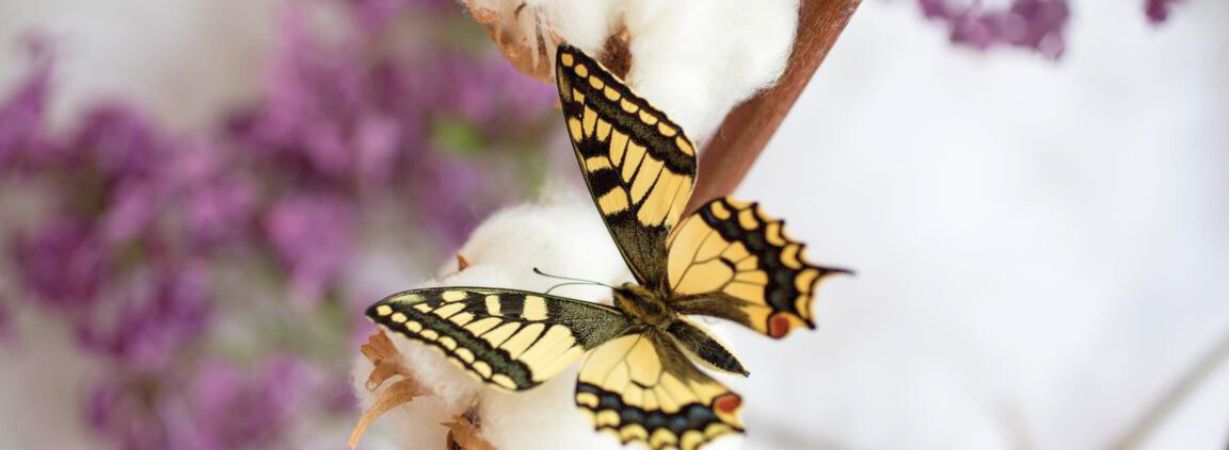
<point x="727" y="260"/>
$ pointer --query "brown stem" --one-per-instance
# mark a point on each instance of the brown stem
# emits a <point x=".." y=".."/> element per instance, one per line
<point x="747" y="129"/>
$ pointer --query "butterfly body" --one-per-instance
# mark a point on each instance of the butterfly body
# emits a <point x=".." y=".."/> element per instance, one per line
<point x="645" y="306"/>
<point x="639" y="378"/>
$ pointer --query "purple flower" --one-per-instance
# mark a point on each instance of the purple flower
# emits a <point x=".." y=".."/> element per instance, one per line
<point x="1033" y="24"/>
<point x="123" y="413"/>
<point x="141" y="215"/>
<point x="63" y="263"/>
<point x="22" y="127"/>
<point x="132" y="208"/>
<point x="155" y="322"/>
<point x="219" y="406"/>
<point x="119" y="142"/>
<point x="1158" y="10"/>
<point x="313" y="236"/>
<point x="452" y="209"/>
<point x="233" y="410"/>
<point x="217" y="203"/>
<point x="378" y="141"/>
<point x="487" y="91"/>
<point x="329" y="109"/>
<point x="219" y="211"/>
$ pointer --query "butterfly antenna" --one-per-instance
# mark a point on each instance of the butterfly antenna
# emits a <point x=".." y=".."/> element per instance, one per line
<point x="577" y="280"/>
<point x="571" y="283"/>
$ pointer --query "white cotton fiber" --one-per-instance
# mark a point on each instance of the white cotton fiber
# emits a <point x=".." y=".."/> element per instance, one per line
<point x="695" y="59"/>
<point x="584" y="24"/>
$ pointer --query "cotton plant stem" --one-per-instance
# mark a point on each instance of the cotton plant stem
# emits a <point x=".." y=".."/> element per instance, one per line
<point x="746" y="130"/>
<point x="1211" y="361"/>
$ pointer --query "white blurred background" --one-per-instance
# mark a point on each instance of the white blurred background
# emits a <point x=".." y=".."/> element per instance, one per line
<point x="1042" y="247"/>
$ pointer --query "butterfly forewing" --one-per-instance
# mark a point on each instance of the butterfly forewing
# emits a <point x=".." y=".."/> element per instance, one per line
<point x="642" y="387"/>
<point x="729" y="260"/>
<point x="510" y="339"/>
<point x="639" y="166"/>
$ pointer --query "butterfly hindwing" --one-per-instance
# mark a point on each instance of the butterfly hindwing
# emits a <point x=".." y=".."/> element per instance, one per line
<point x="729" y="260"/>
<point x="510" y="339"/>
<point x="643" y="388"/>
<point x="639" y="166"/>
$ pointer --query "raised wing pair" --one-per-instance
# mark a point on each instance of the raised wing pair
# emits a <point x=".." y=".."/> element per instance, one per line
<point x="727" y="260"/>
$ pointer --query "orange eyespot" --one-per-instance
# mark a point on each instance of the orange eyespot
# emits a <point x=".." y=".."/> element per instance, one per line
<point x="728" y="403"/>
<point x="778" y="325"/>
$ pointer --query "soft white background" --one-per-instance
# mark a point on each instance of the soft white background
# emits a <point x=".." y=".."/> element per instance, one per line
<point x="1042" y="248"/>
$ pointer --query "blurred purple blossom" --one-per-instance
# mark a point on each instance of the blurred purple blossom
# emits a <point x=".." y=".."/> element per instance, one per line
<point x="63" y="263"/>
<point x="220" y="407"/>
<point x="218" y="205"/>
<point x="229" y="409"/>
<point x="6" y="320"/>
<point x="375" y="14"/>
<point x="1038" y="25"/>
<point x="326" y="103"/>
<point x="21" y="116"/>
<point x="155" y="322"/>
<point x="453" y="214"/>
<point x="477" y="80"/>
<point x="23" y="111"/>
<point x="132" y="208"/>
<point x="141" y="220"/>
<point x="117" y="410"/>
<point x="119" y="142"/>
<point x="1158" y="10"/>
<point x="220" y="210"/>
<point x="313" y="235"/>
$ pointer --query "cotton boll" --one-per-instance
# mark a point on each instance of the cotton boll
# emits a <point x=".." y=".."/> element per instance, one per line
<point x="433" y="371"/>
<point x="698" y="59"/>
<point x="693" y="59"/>
<point x="542" y="418"/>
<point x="528" y="31"/>
<point x="585" y="24"/>
<point x="566" y="239"/>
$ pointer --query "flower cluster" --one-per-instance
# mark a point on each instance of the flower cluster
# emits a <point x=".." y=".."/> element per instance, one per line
<point x="137" y="232"/>
<point x="1033" y="24"/>
<point x="1158" y="10"/>
<point x="1038" y="25"/>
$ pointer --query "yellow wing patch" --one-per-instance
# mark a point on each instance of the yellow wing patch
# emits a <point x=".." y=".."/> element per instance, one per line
<point x="511" y="340"/>
<point x="729" y="260"/>
<point x="643" y="388"/>
<point x="639" y="166"/>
